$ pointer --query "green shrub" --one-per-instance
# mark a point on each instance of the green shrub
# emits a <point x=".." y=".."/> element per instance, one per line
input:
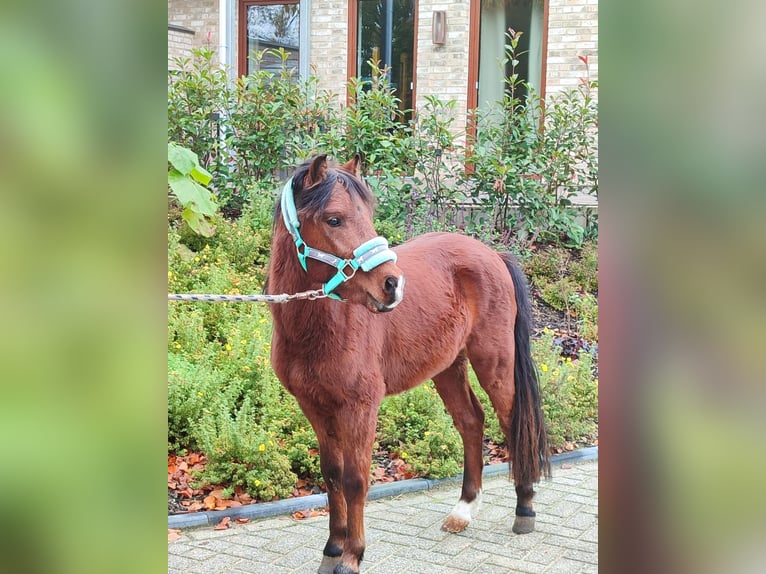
<point x="585" y="307"/>
<point x="584" y="270"/>
<point x="559" y="293"/>
<point x="240" y="453"/>
<point x="569" y="393"/>
<point x="524" y="176"/>
<point x="416" y="426"/>
<point x="545" y="265"/>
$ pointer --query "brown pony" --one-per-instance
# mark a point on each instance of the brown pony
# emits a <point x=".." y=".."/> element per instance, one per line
<point x="464" y="302"/>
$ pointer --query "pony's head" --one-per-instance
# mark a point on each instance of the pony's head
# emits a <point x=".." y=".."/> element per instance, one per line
<point x="336" y="243"/>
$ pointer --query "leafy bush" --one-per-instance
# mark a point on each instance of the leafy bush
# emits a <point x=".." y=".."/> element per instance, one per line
<point x="417" y="427"/>
<point x="240" y="453"/>
<point x="569" y="393"/>
<point x="559" y="293"/>
<point x="528" y="159"/>
<point x="584" y="270"/>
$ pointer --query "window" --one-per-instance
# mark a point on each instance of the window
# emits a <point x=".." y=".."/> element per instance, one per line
<point x="272" y="24"/>
<point x="385" y="32"/>
<point x="493" y="18"/>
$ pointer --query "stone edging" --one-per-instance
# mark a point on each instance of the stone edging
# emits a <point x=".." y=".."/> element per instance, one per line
<point x="290" y="505"/>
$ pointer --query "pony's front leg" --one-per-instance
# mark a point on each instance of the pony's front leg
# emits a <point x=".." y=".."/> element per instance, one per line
<point x="358" y="437"/>
<point x="331" y="462"/>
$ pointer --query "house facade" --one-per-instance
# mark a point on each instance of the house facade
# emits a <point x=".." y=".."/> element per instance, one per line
<point x="446" y="48"/>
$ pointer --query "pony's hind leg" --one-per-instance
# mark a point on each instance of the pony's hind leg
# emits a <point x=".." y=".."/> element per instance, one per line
<point x="496" y="376"/>
<point x="468" y="416"/>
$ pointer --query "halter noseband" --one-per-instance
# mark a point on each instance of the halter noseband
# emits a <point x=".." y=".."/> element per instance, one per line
<point x="368" y="255"/>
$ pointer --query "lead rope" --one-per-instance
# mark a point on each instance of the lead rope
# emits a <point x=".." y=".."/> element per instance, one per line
<point x="282" y="298"/>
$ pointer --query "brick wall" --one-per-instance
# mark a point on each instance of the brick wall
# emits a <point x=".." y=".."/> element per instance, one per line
<point x="328" y="52"/>
<point x="572" y="32"/>
<point x="179" y="45"/>
<point x="442" y="71"/>
<point x="198" y="15"/>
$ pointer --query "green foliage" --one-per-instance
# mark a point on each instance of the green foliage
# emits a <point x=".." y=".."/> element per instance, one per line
<point x="559" y="294"/>
<point x="568" y="281"/>
<point x="569" y="393"/>
<point x="240" y="453"/>
<point x="584" y="270"/>
<point x="416" y="426"/>
<point x="184" y="178"/>
<point x="545" y="265"/>
<point x="529" y="158"/>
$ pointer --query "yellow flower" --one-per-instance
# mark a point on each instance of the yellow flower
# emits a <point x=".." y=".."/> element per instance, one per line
<point x="403" y="455"/>
<point x="177" y="345"/>
<point x="257" y="483"/>
<point x="200" y="393"/>
<point x="228" y="347"/>
<point x="261" y="447"/>
<point x="243" y="342"/>
<point x="570" y="378"/>
<point x="196" y="259"/>
<point x="170" y="274"/>
<point x="544" y="368"/>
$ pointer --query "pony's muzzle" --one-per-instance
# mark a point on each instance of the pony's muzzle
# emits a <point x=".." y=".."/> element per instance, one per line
<point x="393" y="287"/>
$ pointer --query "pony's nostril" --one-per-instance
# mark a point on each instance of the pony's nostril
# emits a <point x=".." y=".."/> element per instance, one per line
<point x="390" y="285"/>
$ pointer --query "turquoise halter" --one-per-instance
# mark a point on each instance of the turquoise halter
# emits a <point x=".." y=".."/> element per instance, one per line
<point x="367" y="256"/>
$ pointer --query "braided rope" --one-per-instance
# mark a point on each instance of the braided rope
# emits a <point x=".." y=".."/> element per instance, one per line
<point x="282" y="298"/>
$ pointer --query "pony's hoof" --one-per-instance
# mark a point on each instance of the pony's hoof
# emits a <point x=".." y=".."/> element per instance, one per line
<point x="524" y="524"/>
<point x="343" y="569"/>
<point x="454" y="524"/>
<point x="328" y="564"/>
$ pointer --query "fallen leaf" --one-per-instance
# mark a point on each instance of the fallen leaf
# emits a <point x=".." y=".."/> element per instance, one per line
<point x="242" y="520"/>
<point x="224" y="524"/>
<point x="173" y="534"/>
<point x="209" y="502"/>
<point x="195" y="506"/>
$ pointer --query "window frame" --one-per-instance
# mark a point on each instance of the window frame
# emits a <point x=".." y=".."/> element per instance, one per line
<point x="304" y="11"/>
<point x="353" y="37"/>
<point x="473" y="53"/>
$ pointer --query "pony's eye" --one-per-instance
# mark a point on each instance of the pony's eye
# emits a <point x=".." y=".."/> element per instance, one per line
<point x="334" y="222"/>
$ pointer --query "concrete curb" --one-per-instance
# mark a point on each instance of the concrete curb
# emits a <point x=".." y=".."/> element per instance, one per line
<point x="389" y="489"/>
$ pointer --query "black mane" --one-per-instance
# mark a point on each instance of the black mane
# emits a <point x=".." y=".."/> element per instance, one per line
<point x="314" y="199"/>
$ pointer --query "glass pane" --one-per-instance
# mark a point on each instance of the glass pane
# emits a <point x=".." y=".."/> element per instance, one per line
<point x="496" y="17"/>
<point x="273" y="26"/>
<point x="386" y="33"/>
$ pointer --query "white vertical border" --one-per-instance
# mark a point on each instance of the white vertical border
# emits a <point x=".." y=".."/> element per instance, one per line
<point x="305" y="38"/>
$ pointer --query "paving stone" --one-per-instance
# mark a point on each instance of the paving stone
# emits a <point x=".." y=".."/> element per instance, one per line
<point x="404" y="535"/>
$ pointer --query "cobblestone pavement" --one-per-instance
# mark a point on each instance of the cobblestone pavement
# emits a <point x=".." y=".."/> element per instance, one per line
<point x="404" y="535"/>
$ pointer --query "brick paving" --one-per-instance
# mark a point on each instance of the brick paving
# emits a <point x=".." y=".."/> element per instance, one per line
<point x="404" y="535"/>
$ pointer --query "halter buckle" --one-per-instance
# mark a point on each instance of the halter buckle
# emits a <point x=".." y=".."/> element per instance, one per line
<point x="342" y="270"/>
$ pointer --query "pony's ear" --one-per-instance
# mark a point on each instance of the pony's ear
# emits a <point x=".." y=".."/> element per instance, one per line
<point x="354" y="165"/>
<point x="317" y="171"/>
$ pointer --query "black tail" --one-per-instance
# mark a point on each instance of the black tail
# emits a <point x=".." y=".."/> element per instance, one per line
<point x="530" y="455"/>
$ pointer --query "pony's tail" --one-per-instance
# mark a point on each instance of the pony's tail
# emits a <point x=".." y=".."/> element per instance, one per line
<point x="530" y="455"/>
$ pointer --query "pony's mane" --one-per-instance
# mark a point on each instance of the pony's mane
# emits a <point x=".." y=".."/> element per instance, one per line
<point x="314" y="199"/>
